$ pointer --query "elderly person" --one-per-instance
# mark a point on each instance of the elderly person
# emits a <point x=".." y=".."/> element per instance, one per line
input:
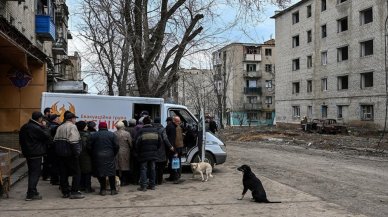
<point x="104" y="148"/>
<point x="122" y="159"/>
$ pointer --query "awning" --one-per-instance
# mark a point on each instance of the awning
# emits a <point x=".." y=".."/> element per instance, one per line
<point x="13" y="54"/>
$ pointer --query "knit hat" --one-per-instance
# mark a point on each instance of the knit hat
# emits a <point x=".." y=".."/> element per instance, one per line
<point x="120" y="125"/>
<point x="36" y="115"/>
<point x="102" y="125"/>
<point x="91" y="124"/>
<point x="125" y="122"/>
<point x="132" y="122"/>
<point x="80" y="125"/>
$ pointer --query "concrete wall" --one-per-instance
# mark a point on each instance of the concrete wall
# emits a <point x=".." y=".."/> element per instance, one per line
<point x="354" y="96"/>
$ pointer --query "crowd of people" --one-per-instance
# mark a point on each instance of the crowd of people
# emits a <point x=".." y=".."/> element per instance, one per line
<point x="137" y="153"/>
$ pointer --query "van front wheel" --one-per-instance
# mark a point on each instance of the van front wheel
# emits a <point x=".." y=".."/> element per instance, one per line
<point x="208" y="158"/>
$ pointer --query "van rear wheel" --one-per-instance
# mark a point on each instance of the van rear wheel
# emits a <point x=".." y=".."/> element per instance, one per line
<point x="208" y="159"/>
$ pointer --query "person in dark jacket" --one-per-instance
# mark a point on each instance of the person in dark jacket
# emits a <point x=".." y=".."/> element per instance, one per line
<point x="33" y="141"/>
<point x="104" y="148"/>
<point x="175" y="136"/>
<point x="160" y="163"/>
<point x="147" y="145"/>
<point x="52" y="158"/>
<point x="212" y="126"/>
<point x="85" y="160"/>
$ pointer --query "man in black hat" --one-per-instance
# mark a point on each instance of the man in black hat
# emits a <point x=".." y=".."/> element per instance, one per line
<point x="68" y="148"/>
<point x="33" y="141"/>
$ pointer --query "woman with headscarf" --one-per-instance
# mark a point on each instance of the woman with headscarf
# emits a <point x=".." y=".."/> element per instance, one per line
<point x="123" y="157"/>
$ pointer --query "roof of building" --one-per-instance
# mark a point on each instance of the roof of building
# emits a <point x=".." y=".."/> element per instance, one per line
<point x="270" y="42"/>
<point x="279" y="13"/>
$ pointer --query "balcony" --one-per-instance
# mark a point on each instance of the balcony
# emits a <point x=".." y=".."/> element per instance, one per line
<point x="253" y="57"/>
<point x="252" y="74"/>
<point x="44" y="27"/>
<point x="61" y="12"/>
<point x="252" y="106"/>
<point x="60" y="47"/>
<point x="252" y="90"/>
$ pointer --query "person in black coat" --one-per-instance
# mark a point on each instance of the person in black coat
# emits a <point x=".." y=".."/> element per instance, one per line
<point x="104" y="148"/>
<point x="147" y="144"/>
<point x="162" y="151"/>
<point x="33" y="139"/>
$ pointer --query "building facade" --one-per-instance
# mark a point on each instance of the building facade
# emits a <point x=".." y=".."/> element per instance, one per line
<point x="33" y="54"/>
<point x="246" y="74"/>
<point x="330" y="61"/>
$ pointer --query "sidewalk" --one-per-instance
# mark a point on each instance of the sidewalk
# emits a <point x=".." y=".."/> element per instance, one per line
<point x="193" y="198"/>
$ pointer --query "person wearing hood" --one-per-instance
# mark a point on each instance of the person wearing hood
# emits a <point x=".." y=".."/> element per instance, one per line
<point x="104" y="148"/>
<point x="33" y="140"/>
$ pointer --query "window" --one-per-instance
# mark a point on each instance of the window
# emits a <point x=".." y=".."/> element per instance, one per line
<point x="342" y="53"/>
<point x="268" y="67"/>
<point x="367" y="112"/>
<point x="295" y="111"/>
<point x="268" y="83"/>
<point x="252" y="99"/>
<point x="366" y="16"/>
<point x="341" y="1"/>
<point x="268" y="52"/>
<point x="323" y="5"/>
<point x="295" y="17"/>
<point x="252" y="116"/>
<point x="308" y="11"/>
<point x="251" y="67"/>
<point x="309" y="86"/>
<point x="295" y="41"/>
<point x="324" y="84"/>
<point x="251" y="83"/>
<point x="366" y="48"/>
<point x="366" y="80"/>
<point x="309" y="111"/>
<point x="309" y="62"/>
<point x="342" y="24"/>
<point x="323" y="31"/>
<point x="324" y="111"/>
<point x="309" y="36"/>
<point x="268" y="100"/>
<point x="343" y="82"/>
<point x="324" y="58"/>
<point x="295" y="87"/>
<point x="268" y="115"/>
<point x="295" y="64"/>
<point x="339" y="111"/>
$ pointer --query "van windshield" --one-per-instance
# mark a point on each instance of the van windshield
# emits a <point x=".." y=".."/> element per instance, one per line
<point x="184" y="116"/>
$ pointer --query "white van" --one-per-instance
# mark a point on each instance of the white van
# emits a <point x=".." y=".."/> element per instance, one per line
<point x="112" y="109"/>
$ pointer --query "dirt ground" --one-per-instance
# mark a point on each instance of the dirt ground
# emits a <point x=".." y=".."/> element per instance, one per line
<point x="355" y="141"/>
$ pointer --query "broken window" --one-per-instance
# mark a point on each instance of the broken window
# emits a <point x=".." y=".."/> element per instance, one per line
<point x="366" y="16"/>
<point x="324" y="84"/>
<point x="323" y="31"/>
<point x="342" y="53"/>
<point x="366" y="48"/>
<point x="295" y="41"/>
<point x="309" y="62"/>
<point x="295" y="17"/>
<point x="309" y="86"/>
<point x="367" y="112"/>
<point x="342" y="24"/>
<point x="295" y="64"/>
<point x="343" y="82"/>
<point x="366" y="80"/>
<point x="324" y="58"/>
<point x="308" y="11"/>
<point x="295" y="87"/>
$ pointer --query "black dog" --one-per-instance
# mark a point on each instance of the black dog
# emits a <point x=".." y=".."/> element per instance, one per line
<point x="251" y="182"/>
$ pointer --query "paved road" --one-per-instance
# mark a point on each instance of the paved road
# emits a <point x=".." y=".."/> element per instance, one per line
<point x="304" y="180"/>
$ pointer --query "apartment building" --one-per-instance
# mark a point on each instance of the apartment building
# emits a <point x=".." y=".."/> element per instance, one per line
<point x="33" y="56"/>
<point x="246" y="74"/>
<point x="330" y="61"/>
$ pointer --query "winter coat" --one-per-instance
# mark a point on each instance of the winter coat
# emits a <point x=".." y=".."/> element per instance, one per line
<point x="213" y="126"/>
<point x="85" y="159"/>
<point x="123" y="157"/>
<point x="67" y="140"/>
<point x="165" y="144"/>
<point x="171" y="133"/>
<point x="104" y="148"/>
<point x="147" y="143"/>
<point x="33" y="139"/>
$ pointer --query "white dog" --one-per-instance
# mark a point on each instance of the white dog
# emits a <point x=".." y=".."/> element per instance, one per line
<point x="202" y="167"/>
